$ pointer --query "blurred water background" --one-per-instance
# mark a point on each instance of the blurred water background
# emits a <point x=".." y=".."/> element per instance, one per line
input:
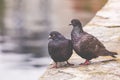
<point x="24" y="29"/>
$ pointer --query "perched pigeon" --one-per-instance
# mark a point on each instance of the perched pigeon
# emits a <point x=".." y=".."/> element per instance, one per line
<point x="60" y="49"/>
<point x="86" y="45"/>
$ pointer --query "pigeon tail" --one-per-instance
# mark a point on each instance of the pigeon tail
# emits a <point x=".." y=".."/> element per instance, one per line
<point x="107" y="53"/>
<point x="113" y="54"/>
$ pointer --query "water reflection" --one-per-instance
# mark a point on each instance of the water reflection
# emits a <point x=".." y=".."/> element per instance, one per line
<point x="21" y="66"/>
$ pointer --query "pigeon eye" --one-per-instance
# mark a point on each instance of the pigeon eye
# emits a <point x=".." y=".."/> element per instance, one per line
<point x="53" y="35"/>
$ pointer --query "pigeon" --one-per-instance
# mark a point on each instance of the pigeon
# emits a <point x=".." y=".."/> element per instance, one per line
<point x="60" y="49"/>
<point x="86" y="45"/>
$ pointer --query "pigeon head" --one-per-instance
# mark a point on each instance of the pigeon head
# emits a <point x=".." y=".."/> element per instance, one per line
<point x="75" y="22"/>
<point x="54" y="35"/>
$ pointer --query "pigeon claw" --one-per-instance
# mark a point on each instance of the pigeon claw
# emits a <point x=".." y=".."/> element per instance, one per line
<point x="54" y="66"/>
<point x="87" y="62"/>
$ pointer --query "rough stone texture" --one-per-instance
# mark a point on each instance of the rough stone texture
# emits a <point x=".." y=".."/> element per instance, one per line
<point x="106" y="27"/>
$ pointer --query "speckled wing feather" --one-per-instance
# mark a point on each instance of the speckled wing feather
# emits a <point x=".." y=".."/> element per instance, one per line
<point x="93" y="45"/>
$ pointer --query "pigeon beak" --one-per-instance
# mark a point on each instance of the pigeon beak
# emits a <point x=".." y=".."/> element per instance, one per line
<point x="49" y="37"/>
<point x="70" y="24"/>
